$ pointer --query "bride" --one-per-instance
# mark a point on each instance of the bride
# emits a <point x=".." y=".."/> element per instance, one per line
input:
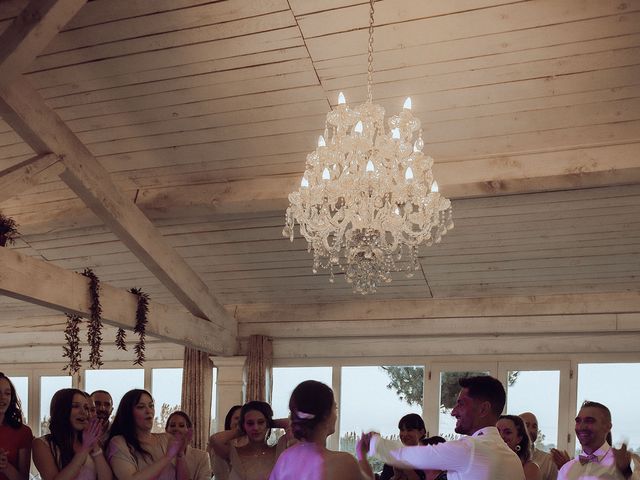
<point x="313" y="419"/>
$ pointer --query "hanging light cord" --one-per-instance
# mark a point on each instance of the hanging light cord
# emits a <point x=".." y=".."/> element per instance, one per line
<point x="370" y="58"/>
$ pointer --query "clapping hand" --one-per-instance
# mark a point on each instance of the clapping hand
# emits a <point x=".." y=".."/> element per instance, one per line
<point x="178" y="444"/>
<point x="623" y="460"/>
<point x="91" y="434"/>
<point x="363" y="445"/>
<point x="559" y="457"/>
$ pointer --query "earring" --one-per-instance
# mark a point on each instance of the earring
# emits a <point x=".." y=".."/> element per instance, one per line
<point x="518" y="448"/>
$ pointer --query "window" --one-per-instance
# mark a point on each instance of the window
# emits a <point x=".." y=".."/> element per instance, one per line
<point x="115" y="381"/>
<point x="375" y="398"/>
<point x="523" y="395"/>
<point x="214" y="420"/>
<point x="613" y="385"/>
<point x="48" y="387"/>
<point x="166" y="386"/>
<point x="288" y="378"/>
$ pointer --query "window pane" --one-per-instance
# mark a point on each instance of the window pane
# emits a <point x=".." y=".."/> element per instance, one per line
<point x="22" y="390"/>
<point x="370" y="403"/>
<point x="115" y="381"/>
<point x="449" y="389"/>
<point x="166" y="390"/>
<point x="49" y="386"/>
<point x="287" y="378"/>
<point x="523" y="395"/>
<point x="612" y="384"/>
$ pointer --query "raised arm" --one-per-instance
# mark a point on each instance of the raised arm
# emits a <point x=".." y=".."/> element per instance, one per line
<point x="220" y="442"/>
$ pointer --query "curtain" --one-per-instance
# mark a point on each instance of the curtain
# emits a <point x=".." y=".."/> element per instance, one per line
<point x="258" y="368"/>
<point x="196" y="393"/>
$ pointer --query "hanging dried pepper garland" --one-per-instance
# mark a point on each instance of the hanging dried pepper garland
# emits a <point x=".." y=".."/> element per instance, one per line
<point x="94" y="331"/>
<point x="121" y="341"/>
<point x="72" y="349"/>
<point x="141" y="323"/>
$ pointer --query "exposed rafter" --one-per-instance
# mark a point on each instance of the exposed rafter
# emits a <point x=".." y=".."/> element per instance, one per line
<point x="45" y="284"/>
<point x="31" y="32"/>
<point x="38" y="169"/>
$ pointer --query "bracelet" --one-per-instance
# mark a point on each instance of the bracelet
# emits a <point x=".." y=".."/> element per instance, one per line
<point x="95" y="454"/>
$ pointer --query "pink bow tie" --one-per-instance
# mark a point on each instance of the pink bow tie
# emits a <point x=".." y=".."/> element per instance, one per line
<point x="584" y="459"/>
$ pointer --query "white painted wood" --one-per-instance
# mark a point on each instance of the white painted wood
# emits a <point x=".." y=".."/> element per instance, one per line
<point x="66" y="291"/>
<point x="45" y="132"/>
<point x="30" y="32"/>
<point x="27" y="174"/>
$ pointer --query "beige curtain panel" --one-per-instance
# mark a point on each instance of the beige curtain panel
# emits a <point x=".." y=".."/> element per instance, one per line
<point x="197" y="378"/>
<point x="259" y="367"/>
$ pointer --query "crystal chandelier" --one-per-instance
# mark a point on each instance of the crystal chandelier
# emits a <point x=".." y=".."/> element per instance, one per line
<point x="367" y="198"/>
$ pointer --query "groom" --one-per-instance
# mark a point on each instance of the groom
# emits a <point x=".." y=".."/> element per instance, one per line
<point x="480" y="455"/>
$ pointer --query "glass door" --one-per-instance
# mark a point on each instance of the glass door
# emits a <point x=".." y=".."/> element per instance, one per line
<point x="441" y="391"/>
<point x="541" y="388"/>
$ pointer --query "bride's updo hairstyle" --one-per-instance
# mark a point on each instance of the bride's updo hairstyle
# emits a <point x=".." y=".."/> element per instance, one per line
<point x="311" y="402"/>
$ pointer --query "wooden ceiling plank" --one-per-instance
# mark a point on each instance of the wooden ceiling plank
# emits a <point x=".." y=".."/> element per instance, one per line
<point x="53" y="287"/>
<point x="30" y="32"/>
<point x="25" y="175"/>
<point x="26" y="111"/>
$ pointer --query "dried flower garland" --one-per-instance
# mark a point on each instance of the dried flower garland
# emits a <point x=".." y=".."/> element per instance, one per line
<point x="121" y="339"/>
<point x="8" y="230"/>
<point x="94" y="331"/>
<point x="141" y="324"/>
<point x="72" y="349"/>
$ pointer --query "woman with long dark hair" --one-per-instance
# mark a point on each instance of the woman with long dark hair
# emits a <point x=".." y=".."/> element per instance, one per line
<point x="313" y="418"/>
<point x="71" y="450"/>
<point x="15" y="436"/>
<point x="255" y="459"/>
<point x="134" y="452"/>
<point x="197" y="460"/>
<point x="219" y="465"/>
<point x="514" y="433"/>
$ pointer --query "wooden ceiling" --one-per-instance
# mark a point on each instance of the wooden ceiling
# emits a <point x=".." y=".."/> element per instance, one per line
<point x="203" y="112"/>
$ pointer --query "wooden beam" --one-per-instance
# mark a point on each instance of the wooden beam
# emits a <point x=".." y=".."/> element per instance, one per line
<point x="31" y="32"/>
<point x="25" y="110"/>
<point x="42" y="283"/>
<point x="454" y="346"/>
<point x="547" y="171"/>
<point x="433" y="327"/>
<point x="25" y="175"/>
<point x="511" y="306"/>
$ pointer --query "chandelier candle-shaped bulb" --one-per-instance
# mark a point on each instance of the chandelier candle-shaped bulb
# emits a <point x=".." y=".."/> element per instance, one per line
<point x="326" y="175"/>
<point x="407" y="104"/>
<point x="395" y="134"/>
<point x="370" y="168"/>
<point x="408" y="174"/>
<point x="358" y="128"/>
<point x="304" y="183"/>
<point x="434" y="187"/>
<point x="321" y="142"/>
<point x="341" y="99"/>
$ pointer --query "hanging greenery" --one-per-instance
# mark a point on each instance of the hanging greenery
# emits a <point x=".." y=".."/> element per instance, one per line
<point x="8" y="230"/>
<point x="94" y="331"/>
<point x="121" y="342"/>
<point x="72" y="349"/>
<point x="141" y="324"/>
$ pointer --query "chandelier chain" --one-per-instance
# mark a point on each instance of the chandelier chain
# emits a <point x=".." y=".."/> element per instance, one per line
<point x="370" y="57"/>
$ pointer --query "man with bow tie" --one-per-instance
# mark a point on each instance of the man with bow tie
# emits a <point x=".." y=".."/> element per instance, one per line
<point x="598" y="459"/>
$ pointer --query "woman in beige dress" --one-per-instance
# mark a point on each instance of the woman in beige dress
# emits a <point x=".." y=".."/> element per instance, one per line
<point x="197" y="460"/>
<point x="135" y="453"/>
